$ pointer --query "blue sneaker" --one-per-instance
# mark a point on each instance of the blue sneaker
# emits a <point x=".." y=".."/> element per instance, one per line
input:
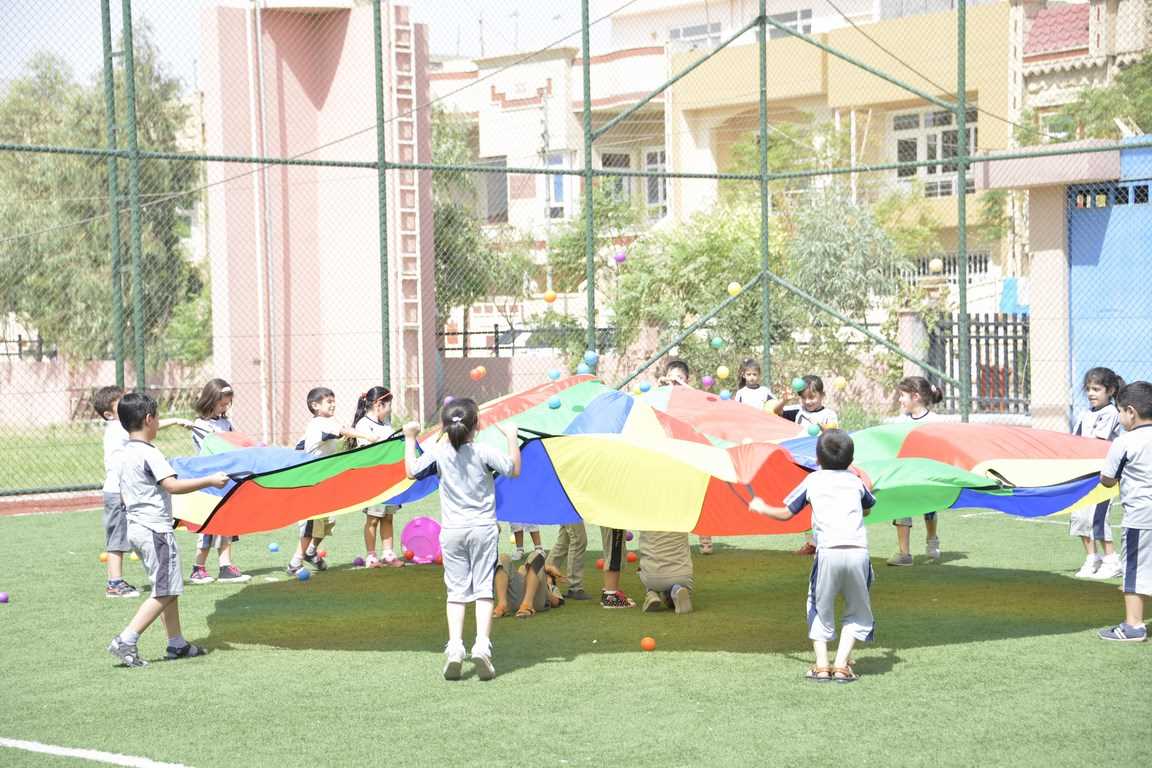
<point x="1125" y="633"/>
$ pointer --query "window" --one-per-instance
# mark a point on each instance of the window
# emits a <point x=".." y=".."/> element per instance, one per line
<point x="1121" y="195"/>
<point x="798" y="21"/>
<point x="1140" y="194"/>
<point x="556" y="187"/>
<point x="494" y="192"/>
<point x="906" y="152"/>
<point x="936" y="132"/>
<point x="656" y="192"/>
<point x="620" y="187"/>
<point x="696" y="34"/>
<point x="905" y="122"/>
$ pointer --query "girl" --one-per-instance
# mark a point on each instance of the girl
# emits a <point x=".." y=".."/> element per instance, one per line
<point x="469" y="538"/>
<point x="917" y="395"/>
<point x="212" y="416"/>
<point x="1092" y="524"/>
<point x="749" y="390"/>
<point x="373" y="417"/>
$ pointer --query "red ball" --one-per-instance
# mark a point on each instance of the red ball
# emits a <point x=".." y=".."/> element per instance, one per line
<point x="476" y="374"/>
<point x="648" y="644"/>
<point x="439" y="560"/>
<point x="409" y="554"/>
<point x="632" y="557"/>
<point x="600" y="564"/>
<point x="323" y="553"/>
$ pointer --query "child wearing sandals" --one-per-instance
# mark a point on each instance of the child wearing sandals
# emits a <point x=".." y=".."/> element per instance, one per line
<point x="531" y="587"/>
<point x="469" y="538"/>
<point x="840" y="502"/>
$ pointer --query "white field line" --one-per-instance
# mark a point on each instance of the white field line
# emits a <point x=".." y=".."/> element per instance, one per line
<point x="86" y="754"/>
<point x="1017" y="518"/>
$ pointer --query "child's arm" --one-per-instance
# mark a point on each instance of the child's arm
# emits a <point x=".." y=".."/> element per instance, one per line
<point x="413" y="464"/>
<point x="363" y="437"/>
<point x="509" y="430"/>
<point x="175" y="423"/>
<point x="173" y="484"/>
<point x="1113" y="464"/>
<point x="759" y="506"/>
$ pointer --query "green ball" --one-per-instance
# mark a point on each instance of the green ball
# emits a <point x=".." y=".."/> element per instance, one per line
<point x="717" y="342"/>
<point x="813" y="430"/>
<point x="798" y="384"/>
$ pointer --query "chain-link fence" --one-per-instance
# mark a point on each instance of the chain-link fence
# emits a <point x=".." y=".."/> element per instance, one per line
<point x="463" y="198"/>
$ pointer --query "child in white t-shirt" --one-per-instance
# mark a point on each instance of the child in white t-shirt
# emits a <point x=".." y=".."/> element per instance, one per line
<point x="749" y="389"/>
<point x="1093" y="524"/>
<point x="917" y="395"/>
<point x="374" y="417"/>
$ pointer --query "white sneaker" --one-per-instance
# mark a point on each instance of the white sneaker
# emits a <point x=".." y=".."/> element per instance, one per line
<point x="1088" y="569"/>
<point x="371" y="561"/>
<point x="453" y="661"/>
<point x="482" y="658"/>
<point x="1109" y="569"/>
<point x="932" y="549"/>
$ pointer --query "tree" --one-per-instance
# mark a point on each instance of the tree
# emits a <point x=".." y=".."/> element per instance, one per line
<point x="1128" y="97"/>
<point x="54" y="257"/>
<point x="616" y="219"/>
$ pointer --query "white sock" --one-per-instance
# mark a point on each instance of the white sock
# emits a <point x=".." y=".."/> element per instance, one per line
<point x="177" y="642"/>
<point x="128" y="637"/>
<point x="456" y="624"/>
<point x="483" y="626"/>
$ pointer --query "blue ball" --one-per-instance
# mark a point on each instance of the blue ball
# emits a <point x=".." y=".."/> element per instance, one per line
<point x="591" y="358"/>
<point x="583" y="368"/>
<point x="303" y="574"/>
<point x="554" y="374"/>
<point x="554" y="403"/>
<point x="645" y="386"/>
<point x="725" y="394"/>
<point x="273" y="547"/>
<point x="717" y="342"/>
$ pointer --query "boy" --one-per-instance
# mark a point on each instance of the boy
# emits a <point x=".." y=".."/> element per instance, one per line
<point x="104" y="402"/>
<point x="531" y="587"/>
<point x="146" y="482"/>
<point x="840" y="502"/>
<point x="666" y="570"/>
<point x="1129" y="462"/>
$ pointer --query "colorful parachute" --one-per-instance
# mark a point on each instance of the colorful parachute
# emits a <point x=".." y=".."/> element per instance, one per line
<point x="725" y="422"/>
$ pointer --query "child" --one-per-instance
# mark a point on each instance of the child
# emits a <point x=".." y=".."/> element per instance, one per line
<point x="212" y="416"/>
<point x="146" y="482"/>
<point x="1092" y="524"/>
<point x="518" y="536"/>
<point x="917" y="395"/>
<point x="749" y="390"/>
<point x="1129" y="462"/>
<point x="840" y="502"/>
<point x="666" y="570"/>
<point x="105" y="401"/>
<point x="812" y="411"/>
<point x="676" y="374"/>
<point x="373" y="417"/>
<point x="525" y="587"/>
<point x="567" y="555"/>
<point x="469" y="538"/>
<point x="324" y="436"/>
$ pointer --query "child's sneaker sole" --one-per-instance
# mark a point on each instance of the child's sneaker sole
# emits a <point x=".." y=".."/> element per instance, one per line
<point x="453" y="668"/>
<point x="484" y="668"/>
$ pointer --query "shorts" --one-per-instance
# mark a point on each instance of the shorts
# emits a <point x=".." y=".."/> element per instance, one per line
<point x="469" y="556"/>
<point x="516" y="582"/>
<point x="208" y="541"/>
<point x="1092" y="522"/>
<point x="907" y="521"/>
<point x="318" y="528"/>
<point x="840" y="571"/>
<point x="1136" y="555"/>
<point x="518" y="527"/>
<point x="663" y="583"/>
<point x="115" y="520"/>
<point x="381" y="510"/>
<point x="161" y="558"/>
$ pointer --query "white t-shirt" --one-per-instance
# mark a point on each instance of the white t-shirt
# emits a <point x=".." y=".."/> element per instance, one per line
<point x="927" y="416"/>
<point x="1129" y="460"/>
<point x="756" y="397"/>
<point x="142" y="467"/>
<point x="322" y="436"/>
<point x="369" y="426"/>
<point x="1103" y="424"/>
<point x="115" y="438"/>
<point x="467" y="490"/>
<point x="838" y="498"/>
<point x="820" y="418"/>
<point x="203" y="427"/>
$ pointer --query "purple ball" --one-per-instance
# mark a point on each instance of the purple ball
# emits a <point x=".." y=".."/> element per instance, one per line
<point x="707" y="381"/>
<point x="448" y="399"/>
<point x="358" y="562"/>
<point x="628" y="536"/>
<point x="621" y="257"/>
<point x="3" y="597"/>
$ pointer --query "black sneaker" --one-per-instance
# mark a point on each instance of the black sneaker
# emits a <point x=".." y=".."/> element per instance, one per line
<point x="184" y="652"/>
<point x="232" y="575"/>
<point x="316" y="562"/>
<point x="616" y="599"/>
<point x="127" y="654"/>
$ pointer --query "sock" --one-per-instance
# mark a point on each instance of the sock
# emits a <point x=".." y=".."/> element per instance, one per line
<point x="296" y="561"/>
<point x="128" y="637"/>
<point x="177" y="642"/>
<point x="311" y="550"/>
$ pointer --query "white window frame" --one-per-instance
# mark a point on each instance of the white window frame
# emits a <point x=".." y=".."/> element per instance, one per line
<point x="799" y="20"/>
<point x="923" y="133"/>
<point x="694" y="35"/>
<point x="556" y="187"/>
<point x="619" y="187"/>
<point x="655" y="188"/>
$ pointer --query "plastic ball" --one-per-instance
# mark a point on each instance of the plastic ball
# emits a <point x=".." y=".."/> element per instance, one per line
<point x="600" y="564"/>
<point x="549" y="296"/>
<point x="409" y="554"/>
<point x="734" y="288"/>
<point x="632" y="557"/>
<point x="645" y="386"/>
<point x="448" y="400"/>
<point x="583" y="369"/>
<point x="591" y="358"/>
<point x="839" y="383"/>
<point x="636" y="389"/>
<point x="620" y="257"/>
<point x="358" y="562"/>
<point x="439" y="559"/>
<point x="554" y="403"/>
<point x="722" y="372"/>
<point x="554" y="374"/>
<point x="707" y="382"/>
<point x="936" y="266"/>
<point x="628" y="536"/>
<point x="103" y="557"/>
<point x="725" y="394"/>
<point x="134" y="556"/>
<point x="832" y="425"/>
<point x="797" y="384"/>
<point x="813" y="430"/>
<point x="3" y="597"/>
<point x="648" y="644"/>
<point x="717" y="342"/>
<point x="273" y="547"/>
<point x="475" y="374"/>
<point x="482" y="370"/>
<point x="323" y="553"/>
<point x="303" y="574"/>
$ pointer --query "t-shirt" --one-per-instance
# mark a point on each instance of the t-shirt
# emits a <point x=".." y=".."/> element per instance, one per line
<point x="664" y="554"/>
<point x="203" y="427"/>
<point x="838" y="498"/>
<point x="924" y="417"/>
<point x="1102" y="423"/>
<point x="820" y="418"/>
<point x="1130" y="461"/>
<point x="142" y="467"/>
<point x="369" y="426"/>
<point x="467" y="491"/>
<point x="757" y="397"/>
<point x="322" y="436"/>
<point x="115" y="438"/>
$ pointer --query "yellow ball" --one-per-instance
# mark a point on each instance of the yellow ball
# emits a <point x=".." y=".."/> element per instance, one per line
<point x="549" y="296"/>
<point x="103" y="557"/>
<point x="722" y="372"/>
<point x="936" y="266"/>
<point x="134" y="556"/>
<point x="734" y="288"/>
<point x="832" y="425"/>
<point x="839" y="383"/>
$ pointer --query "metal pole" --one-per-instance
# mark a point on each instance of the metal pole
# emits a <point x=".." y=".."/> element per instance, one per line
<point x="965" y="372"/>
<point x="252" y="32"/>
<point x="382" y="196"/>
<point x="765" y="286"/>
<point x="589" y="214"/>
<point x="134" y="193"/>
<point x="117" y="280"/>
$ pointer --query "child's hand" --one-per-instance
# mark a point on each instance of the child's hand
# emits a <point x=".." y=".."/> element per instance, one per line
<point x="509" y="428"/>
<point x="185" y="423"/>
<point x="218" y="479"/>
<point x="411" y="429"/>
<point x="758" y="506"/>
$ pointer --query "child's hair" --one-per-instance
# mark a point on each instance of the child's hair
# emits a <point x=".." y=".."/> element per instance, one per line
<point x="1105" y="377"/>
<point x="677" y="365"/>
<point x="213" y="392"/>
<point x="315" y="395"/>
<point x="365" y="401"/>
<point x="103" y="398"/>
<point x="749" y="364"/>
<point x="1138" y="394"/>
<point x="814" y="385"/>
<point x="458" y="419"/>
<point x="929" y="393"/>
<point x="834" y="449"/>
<point x="134" y="407"/>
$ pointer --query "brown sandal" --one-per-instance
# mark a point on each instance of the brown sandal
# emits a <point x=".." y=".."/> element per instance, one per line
<point x="844" y="675"/>
<point x="499" y="612"/>
<point x="525" y="612"/>
<point x="819" y="674"/>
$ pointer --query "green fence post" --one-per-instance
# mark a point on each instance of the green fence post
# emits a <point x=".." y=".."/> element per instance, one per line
<point x="765" y="286"/>
<point x="382" y="195"/>
<point x="589" y="214"/>
<point x="962" y="149"/>
<point x="117" y="281"/>
<point x="134" y="194"/>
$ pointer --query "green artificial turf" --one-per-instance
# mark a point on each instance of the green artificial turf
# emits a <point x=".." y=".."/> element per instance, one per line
<point x="990" y="658"/>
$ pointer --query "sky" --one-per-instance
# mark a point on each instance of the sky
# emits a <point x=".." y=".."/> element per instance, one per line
<point x="71" y="29"/>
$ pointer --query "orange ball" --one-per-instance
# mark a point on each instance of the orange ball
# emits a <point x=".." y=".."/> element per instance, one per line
<point x="648" y="644"/>
<point x="482" y="371"/>
<point x="475" y="374"/>
<point x="549" y="296"/>
<point x="632" y="557"/>
<point x="103" y="557"/>
<point x="409" y="554"/>
<point x="439" y="560"/>
<point x="600" y="564"/>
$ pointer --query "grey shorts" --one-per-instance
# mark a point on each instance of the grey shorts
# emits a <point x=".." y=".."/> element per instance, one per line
<point x="515" y="527"/>
<point x="115" y="520"/>
<point x="381" y="510"/>
<point x="1093" y="522"/>
<point x="907" y="521"/>
<point x="846" y="572"/>
<point x="664" y="583"/>
<point x="161" y="558"/>
<point x="208" y="541"/>
<point x="1136" y="555"/>
<point x="317" y="529"/>
<point x="469" y="556"/>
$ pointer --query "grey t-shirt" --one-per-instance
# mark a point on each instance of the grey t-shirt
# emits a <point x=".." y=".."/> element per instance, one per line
<point x="142" y="467"/>
<point x="1130" y="461"/>
<point x="467" y="491"/>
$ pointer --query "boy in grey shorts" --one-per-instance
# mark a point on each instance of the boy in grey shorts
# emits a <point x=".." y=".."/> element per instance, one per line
<point x="530" y="587"/>
<point x="840" y="502"/>
<point x="146" y="482"/>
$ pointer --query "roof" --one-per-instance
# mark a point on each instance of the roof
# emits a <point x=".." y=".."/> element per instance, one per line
<point x="1058" y="28"/>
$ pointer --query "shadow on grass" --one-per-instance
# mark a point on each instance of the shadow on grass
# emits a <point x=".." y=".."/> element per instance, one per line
<point x="746" y="601"/>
